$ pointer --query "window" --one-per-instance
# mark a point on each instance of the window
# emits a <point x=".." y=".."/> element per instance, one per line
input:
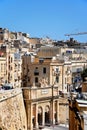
<point x="36" y="68"/>
<point x="57" y="69"/>
<point x="11" y="67"/>
<point x="11" y="59"/>
<point x="1" y="67"/>
<point x="65" y="80"/>
<point x="1" y="38"/>
<point x="36" y="71"/>
<point x="36" y="79"/>
<point x="44" y="70"/>
<point x="41" y="61"/>
<point x="57" y="79"/>
<point x="28" y="79"/>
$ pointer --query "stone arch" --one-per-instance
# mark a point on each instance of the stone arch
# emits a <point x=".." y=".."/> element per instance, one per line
<point x="40" y="113"/>
<point x="47" y="115"/>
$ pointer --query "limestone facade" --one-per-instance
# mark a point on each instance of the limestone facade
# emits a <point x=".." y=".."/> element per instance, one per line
<point x="44" y="76"/>
<point x="12" y="110"/>
<point x="78" y="112"/>
<point x="2" y="70"/>
<point x="42" y="106"/>
<point x="52" y="71"/>
<point x="10" y="66"/>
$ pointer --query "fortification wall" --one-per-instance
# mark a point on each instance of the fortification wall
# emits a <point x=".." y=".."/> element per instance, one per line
<point x="63" y="111"/>
<point x="12" y="110"/>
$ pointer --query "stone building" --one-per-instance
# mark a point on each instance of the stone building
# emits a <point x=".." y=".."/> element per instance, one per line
<point x="12" y="110"/>
<point x="41" y="71"/>
<point x="78" y="111"/>
<point x="65" y="71"/>
<point x="42" y="77"/>
<point x="12" y="65"/>
<point x="41" y="106"/>
<point x="2" y="69"/>
<point x="4" y="35"/>
<point x="42" y="82"/>
<point x="14" y="70"/>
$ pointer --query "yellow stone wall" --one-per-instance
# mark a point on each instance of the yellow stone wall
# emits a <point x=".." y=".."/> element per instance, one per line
<point x="12" y="110"/>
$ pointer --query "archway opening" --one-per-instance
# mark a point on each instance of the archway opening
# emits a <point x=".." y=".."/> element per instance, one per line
<point x="33" y="121"/>
<point x="40" y="116"/>
<point x="34" y="116"/>
<point x="47" y="115"/>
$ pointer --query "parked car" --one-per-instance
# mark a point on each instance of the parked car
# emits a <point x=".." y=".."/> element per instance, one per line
<point x="7" y="86"/>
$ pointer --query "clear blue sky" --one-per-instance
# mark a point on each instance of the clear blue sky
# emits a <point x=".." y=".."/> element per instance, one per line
<point x="41" y="18"/>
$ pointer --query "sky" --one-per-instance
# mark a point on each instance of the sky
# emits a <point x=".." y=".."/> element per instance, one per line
<point x="41" y="18"/>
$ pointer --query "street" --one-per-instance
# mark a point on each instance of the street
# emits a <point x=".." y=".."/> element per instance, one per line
<point x="58" y="127"/>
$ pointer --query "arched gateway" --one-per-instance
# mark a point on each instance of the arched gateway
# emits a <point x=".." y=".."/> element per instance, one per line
<point x="40" y="113"/>
<point x="47" y="115"/>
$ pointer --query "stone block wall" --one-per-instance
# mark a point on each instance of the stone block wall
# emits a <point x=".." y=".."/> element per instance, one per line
<point x="12" y="110"/>
<point x="63" y="111"/>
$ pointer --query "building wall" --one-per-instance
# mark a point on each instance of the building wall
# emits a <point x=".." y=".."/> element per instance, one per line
<point x="12" y="110"/>
<point x="63" y="111"/>
<point x="13" y="66"/>
<point x="56" y="71"/>
<point x="34" y="40"/>
<point x="77" y="112"/>
<point x="48" y="51"/>
<point x="33" y="68"/>
<point x="59" y="73"/>
<point x="2" y="70"/>
<point x="39" y="102"/>
<point x="84" y="88"/>
<point x="43" y="100"/>
<point x="70" y="66"/>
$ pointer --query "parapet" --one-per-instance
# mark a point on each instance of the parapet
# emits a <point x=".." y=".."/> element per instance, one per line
<point x="5" y="94"/>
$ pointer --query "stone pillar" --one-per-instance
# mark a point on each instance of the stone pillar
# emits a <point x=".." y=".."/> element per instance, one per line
<point x="29" y="119"/>
<point x="52" y="110"/>
<point x="58" y="120"/>
<point x="36" y="116"/>
<point x="43" y="117"/>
